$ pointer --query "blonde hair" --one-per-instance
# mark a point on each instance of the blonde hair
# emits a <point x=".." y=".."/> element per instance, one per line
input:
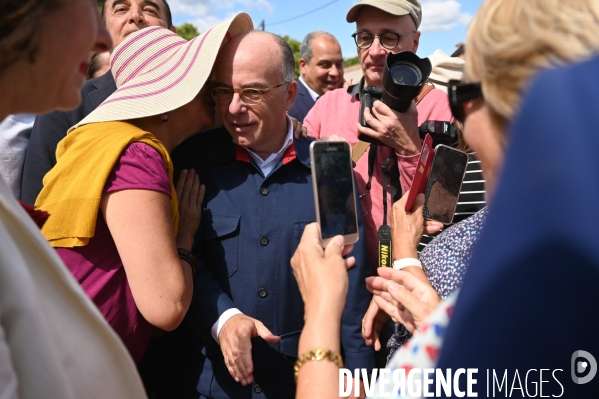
<point x="510" y="41"/>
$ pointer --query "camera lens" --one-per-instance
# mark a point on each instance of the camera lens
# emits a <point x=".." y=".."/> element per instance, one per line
<point x="405" y="73"/>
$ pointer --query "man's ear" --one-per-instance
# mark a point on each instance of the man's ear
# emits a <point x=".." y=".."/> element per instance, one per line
<point x="416" y="42"/>
<point x="302" y="66"/>
<point x="291" y="93"/>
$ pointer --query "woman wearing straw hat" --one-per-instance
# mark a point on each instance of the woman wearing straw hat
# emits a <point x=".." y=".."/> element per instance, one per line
<point x="117" y="220"/>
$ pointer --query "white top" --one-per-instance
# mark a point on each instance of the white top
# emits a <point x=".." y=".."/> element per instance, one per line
<point x="14" y="138"/>
<point x="313" y="94"/>
<point x="54" y="343"/>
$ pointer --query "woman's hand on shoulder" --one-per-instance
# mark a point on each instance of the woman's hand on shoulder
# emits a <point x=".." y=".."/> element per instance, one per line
<point x="190" y="194"/>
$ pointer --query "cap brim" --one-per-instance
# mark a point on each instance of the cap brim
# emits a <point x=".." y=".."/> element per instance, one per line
<point x="352" y="14"/>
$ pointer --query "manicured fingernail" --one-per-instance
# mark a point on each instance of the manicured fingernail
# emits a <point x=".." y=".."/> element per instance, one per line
<point x="420" y="197"/>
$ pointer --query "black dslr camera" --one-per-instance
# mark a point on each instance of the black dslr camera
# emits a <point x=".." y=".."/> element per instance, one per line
<point x="403" y="77"/>
<point x="441" y="132"/>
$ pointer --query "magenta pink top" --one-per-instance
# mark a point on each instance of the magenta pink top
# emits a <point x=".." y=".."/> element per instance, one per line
<point x="98" y="266"/>
<point x="336" y="113"/>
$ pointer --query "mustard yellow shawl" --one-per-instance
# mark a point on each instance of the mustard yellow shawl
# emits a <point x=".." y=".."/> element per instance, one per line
<point x="73" y="188"/>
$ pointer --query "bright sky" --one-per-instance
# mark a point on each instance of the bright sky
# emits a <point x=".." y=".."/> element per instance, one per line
<point x="444" y="22"/>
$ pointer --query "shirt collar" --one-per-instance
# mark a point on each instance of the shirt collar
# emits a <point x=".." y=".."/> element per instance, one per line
<point x="312" y="93"/>
<point x="274" y="159"/>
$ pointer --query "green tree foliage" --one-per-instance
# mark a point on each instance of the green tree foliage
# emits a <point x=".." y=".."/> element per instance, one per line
<point x="295" y="47"/>
<point x="187" y="31"/>
<point x="351" y="61"/>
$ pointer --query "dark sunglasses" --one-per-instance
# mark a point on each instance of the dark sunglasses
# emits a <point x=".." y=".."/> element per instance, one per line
<point x="460" y="94"/>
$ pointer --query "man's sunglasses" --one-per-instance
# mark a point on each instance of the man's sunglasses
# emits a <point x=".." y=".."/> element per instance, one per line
<point x="460" y="94"/>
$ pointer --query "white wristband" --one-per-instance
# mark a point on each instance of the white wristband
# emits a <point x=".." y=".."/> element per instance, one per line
<point x="405" y="262"/>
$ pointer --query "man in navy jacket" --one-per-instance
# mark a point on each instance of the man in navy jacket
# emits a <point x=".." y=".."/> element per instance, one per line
<point x="247" y="304"/>
<point x="321" y="68"/>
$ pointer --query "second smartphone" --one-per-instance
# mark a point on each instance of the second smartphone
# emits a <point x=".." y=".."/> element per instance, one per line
<point x="444" y="183"/>
<point x="334" y="190"/>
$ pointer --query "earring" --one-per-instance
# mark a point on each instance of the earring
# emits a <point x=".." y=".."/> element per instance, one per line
<point x="164" y="117"/>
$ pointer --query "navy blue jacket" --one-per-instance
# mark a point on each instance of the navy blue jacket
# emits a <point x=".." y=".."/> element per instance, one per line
<point x="529" y="299"/>
<point x="250" y="229"/>
<point x="303" y="103"/>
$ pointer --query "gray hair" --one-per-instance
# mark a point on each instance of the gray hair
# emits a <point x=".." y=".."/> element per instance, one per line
<point x="306" y="47"/>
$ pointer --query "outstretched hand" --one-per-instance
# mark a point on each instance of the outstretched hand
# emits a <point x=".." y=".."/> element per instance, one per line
<point x="403" y="296"/>
<point x="235" y="342"/>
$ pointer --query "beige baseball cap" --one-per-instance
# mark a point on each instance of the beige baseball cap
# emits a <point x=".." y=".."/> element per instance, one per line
<point x="394" y="7"/>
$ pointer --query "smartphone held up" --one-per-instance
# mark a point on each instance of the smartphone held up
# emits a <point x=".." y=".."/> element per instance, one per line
<point x="439" y="175"/>
<point x="444" y="183"/>
<point x="334" y="190"/>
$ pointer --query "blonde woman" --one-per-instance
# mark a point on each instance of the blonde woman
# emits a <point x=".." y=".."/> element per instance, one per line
<point x="509" y="42"/>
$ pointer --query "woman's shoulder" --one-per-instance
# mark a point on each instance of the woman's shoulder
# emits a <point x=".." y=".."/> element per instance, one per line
<point x="139" y="166"/>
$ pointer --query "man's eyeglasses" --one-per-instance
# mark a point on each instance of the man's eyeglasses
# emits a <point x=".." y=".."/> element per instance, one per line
<point x="388" y="40"/>
<point x="460" y="94"/>
<point x="249" y="95"/>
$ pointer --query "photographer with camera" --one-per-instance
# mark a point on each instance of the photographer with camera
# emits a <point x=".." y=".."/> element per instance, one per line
<point x="382" y="27"/>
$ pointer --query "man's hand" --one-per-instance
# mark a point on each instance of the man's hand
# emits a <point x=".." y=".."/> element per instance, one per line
<point x="234" y="339"/>
<point x="395" y="129"/>
<point x="372" y="324"/>
<point x="298" y="129"/>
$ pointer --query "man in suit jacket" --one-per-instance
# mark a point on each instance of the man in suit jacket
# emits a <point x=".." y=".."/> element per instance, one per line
<point x="321" y="68"/>
<point x="259" y="198"/>
<point x="122" y="18"/>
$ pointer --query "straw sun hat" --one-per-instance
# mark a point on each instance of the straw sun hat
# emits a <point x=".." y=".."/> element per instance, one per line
<point x="157" y="71"/>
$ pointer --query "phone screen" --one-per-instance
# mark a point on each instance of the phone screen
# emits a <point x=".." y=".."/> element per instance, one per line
<point x="333" y="177"/>
<point x="444" y="183"/>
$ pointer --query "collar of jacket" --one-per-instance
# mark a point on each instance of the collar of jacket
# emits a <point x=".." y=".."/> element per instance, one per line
<point x="224" y="150"/>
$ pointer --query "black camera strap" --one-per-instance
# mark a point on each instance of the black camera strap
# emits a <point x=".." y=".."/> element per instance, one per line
<point x="384" y="232"/>
<point x="371" y="161"/>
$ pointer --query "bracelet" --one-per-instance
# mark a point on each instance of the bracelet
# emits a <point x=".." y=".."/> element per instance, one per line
<point x="405" y="262"/>
<point x="188" y="257"/>
<point x="317" y="354"/>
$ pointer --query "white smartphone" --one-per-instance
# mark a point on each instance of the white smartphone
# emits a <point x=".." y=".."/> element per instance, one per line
<point x="334" y="190"/>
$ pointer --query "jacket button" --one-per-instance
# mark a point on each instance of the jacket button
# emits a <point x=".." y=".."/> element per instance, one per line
<point x="264" y="191"/>
<point x="262" y="293"/>
<point x="257" y="388"/>
<point x="264" y="241"/>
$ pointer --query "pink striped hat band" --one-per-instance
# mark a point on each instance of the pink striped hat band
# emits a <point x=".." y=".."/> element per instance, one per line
<point x="157" y="71"/>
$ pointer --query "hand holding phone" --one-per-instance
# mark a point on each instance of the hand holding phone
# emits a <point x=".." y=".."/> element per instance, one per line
<point x="422" y="170"/>
<point x="444" y="183"/>
<point x="334" y="190"/>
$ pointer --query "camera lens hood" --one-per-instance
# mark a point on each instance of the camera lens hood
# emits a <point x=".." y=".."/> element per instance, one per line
<point x="400" y="96"/>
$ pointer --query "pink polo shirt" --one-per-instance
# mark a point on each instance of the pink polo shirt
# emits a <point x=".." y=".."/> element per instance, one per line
<point x="336" y="113"/>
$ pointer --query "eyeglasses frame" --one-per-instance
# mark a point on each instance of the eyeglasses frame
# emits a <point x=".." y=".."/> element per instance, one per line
<point x="461" y="94"/>
<point x="263" y="92"/>
<point x="374" y="36"/>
